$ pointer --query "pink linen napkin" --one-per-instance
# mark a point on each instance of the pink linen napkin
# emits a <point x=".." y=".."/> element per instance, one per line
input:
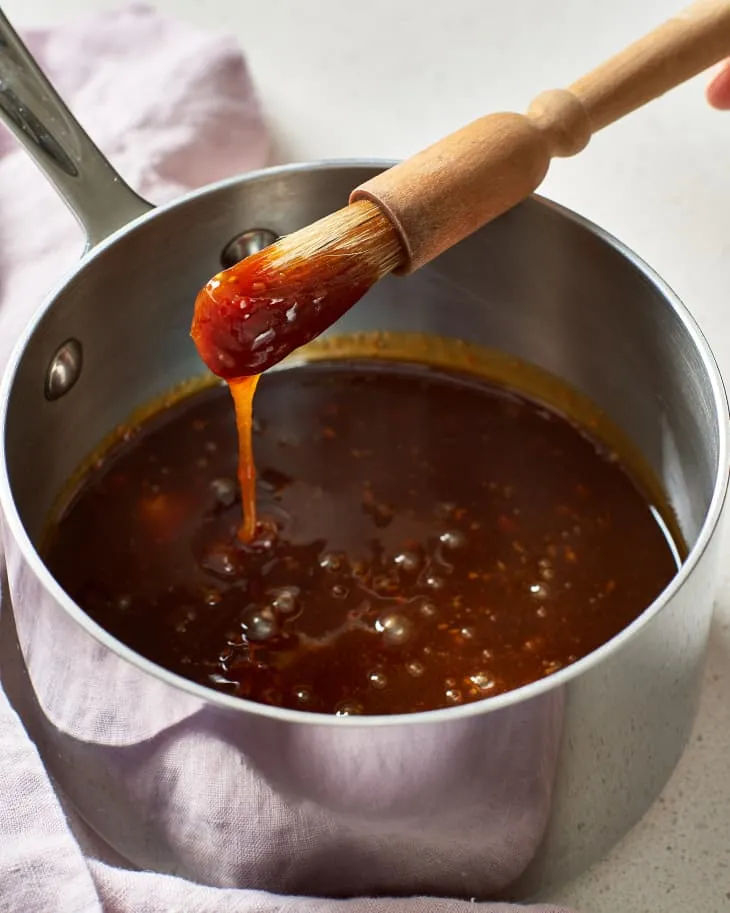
<point x="174" y="108"/>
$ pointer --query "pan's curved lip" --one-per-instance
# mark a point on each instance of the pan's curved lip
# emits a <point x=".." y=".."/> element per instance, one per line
<point x="490" y="705"/>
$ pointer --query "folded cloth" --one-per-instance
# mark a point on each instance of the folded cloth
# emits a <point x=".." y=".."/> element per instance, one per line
<point x="173" y="108"/>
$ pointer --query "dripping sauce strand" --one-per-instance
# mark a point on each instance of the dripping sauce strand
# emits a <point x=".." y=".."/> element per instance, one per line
<point x="250" y="316"/>
<point x="243" y="390"/>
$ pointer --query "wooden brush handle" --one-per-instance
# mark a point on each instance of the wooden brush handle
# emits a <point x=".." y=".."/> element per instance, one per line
<point x="441" y="195"/>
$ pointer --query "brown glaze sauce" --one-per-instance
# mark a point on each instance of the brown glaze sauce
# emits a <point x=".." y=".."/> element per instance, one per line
<point x="426" y="539"/>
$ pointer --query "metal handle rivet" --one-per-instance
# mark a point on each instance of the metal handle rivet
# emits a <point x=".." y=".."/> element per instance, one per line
<point x="64" y="369"/>
<point x="247" y="243"/>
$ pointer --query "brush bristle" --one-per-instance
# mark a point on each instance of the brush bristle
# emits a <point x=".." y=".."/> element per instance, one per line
<point x="359" y="231"/>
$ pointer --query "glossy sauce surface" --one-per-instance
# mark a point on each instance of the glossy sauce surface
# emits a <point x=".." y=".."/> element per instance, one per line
<point x="425" y="540"/>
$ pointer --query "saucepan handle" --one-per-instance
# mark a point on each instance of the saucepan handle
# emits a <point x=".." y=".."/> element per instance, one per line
<point x="44" y="126"/>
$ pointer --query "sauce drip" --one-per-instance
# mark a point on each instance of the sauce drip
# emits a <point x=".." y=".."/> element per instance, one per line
<point x="242" y="391"/>
<point x="252" y="315"/>
<point x="425" y="540"/>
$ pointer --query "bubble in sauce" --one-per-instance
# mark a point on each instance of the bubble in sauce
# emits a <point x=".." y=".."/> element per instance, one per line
<point x="546" y="569"/>
<point x="433" y="581"/>
<point x="377" y="680"/>
<point x="266" y="535"/>
<point x="395" y="628"/>
<point x="453" y="695"/>
<point x="224" y="491"/>
<point x="124" y="602"/>
<point x="539" y="590"/>
<point x="348" y="708"/>
<point x="532" y="644"/>
<point x="331" y="561"/>
<point x="452" y="538"/>
<point x="212" y="597"/>
<point x="259" y="623"/>
<point x="285" y="599"/>
<point x="219" y="561"/>
<point x="407" y="560"/>
<point x="427" y="609"/>
<point x="482" y="681"/>
<point x="339" y="591"/>
<point x="265" y="541"/>
<point x="415" y="668"/>
<point x="303" y="695"/>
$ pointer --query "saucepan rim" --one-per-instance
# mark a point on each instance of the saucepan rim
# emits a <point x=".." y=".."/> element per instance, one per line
<point x="34" y="561"/>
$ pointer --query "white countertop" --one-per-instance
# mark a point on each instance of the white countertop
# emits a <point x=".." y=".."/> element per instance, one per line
<point x="385" y="77"/>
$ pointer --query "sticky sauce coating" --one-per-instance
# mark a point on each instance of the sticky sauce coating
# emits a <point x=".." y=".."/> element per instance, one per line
<point x="251" y="316"/>
<point x="425" y="540"/>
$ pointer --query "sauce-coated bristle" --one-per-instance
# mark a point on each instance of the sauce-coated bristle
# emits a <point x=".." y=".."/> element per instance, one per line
<point x="359" y="231"/>
<point x="252" y="315"/>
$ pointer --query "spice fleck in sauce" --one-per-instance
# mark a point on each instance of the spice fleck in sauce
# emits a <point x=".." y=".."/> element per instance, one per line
<point x="425" y="540"/>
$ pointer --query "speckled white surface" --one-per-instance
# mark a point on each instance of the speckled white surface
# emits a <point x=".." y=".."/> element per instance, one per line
<point x="385" y="77"/>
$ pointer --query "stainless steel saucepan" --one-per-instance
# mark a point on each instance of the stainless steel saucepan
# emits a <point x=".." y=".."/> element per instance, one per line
<point x="506" y="796"/>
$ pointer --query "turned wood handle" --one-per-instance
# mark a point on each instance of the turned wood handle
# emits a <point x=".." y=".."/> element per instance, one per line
<point x="441" y="195"/>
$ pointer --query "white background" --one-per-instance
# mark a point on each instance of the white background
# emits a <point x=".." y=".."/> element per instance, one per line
<point x="385" y="77"/>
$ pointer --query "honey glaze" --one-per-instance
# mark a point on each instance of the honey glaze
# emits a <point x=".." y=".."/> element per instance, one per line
<point x="427" y="539"/>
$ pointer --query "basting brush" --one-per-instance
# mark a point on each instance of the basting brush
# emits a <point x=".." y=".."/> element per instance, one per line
<point x="249" y="317"/>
